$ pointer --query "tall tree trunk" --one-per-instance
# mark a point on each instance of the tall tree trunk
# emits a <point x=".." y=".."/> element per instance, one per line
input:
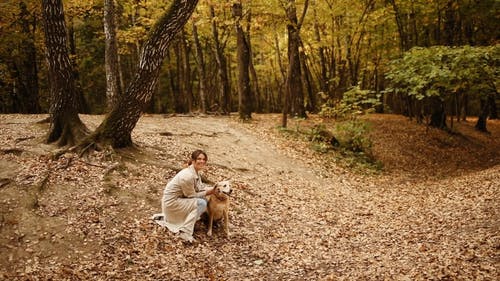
<point x="186" y="73"/>
<point x="257" y="101"/>
<point x="113" y="89"/>
<point x="403" y="37"/>
<point x="294" y="82"/>
<point x="117" y="127"/>
<point x="310" y="100"/>
<point x="65" y="125"/>
<point x="243" y="52"/>
<point x="27" y="67"/>
<point x="200" y="66"/>
<point x="83" y="106"/>
<point x="323" y="76"/>
<point x="224" y="88"/>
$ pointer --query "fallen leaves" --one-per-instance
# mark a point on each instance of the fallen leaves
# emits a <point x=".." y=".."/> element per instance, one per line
<point x="295" y="213"/>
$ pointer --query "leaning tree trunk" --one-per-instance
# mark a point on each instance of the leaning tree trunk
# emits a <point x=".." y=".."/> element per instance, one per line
<point x="116" y="129"/>
<point x="243" y="54"/>
<point x="65" y="125"/>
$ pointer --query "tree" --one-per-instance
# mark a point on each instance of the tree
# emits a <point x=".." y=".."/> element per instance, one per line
<point x="294" y="96"/>
<point x="65" y="126"/>
<point x="116" y="128"/>
<point x="224" y="88"/>
<point x="200" y="67"/>
<point x="433" y="77"/>
<point x="26" y="64"/>
<point x="244" y="92"/>
<point x="113" y="89"/>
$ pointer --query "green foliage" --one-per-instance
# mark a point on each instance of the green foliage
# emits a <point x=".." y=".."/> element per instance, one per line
<point x="353" y="136"/>
<point x="443" y="71"/>
<point x="354" y="102"/>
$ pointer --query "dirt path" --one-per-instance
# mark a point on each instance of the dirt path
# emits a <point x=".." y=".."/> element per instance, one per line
<point x="291" y="219"/>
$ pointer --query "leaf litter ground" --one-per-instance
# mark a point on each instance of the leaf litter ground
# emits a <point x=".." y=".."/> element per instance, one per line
<point x="296" y="214"/>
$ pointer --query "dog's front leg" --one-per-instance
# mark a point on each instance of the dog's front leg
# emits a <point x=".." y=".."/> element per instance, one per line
<point x="210" y="222"/>
<point x="226" y="222"/>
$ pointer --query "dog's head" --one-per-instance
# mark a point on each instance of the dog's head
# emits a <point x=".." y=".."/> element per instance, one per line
<point x="223" y="187"/>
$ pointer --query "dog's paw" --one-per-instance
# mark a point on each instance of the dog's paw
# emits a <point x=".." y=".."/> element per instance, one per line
<point x="209" y="233"/>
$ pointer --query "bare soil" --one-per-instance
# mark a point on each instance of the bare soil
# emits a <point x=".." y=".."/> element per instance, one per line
<point x="296" y="214"/>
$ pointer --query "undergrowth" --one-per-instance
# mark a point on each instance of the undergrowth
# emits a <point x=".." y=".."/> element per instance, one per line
<point x="347" y="144"/>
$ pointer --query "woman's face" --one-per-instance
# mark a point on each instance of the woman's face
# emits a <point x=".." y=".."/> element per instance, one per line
<point x="200" y="162"/>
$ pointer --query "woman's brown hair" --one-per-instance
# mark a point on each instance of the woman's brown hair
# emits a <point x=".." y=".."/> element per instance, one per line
<point x="195" y="155"/>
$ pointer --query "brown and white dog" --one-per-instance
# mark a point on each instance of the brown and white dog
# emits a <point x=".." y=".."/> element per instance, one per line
<point x="218" y="206"/>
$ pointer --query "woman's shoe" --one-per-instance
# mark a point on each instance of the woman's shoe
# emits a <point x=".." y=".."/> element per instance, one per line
<point x="186" y="237"/>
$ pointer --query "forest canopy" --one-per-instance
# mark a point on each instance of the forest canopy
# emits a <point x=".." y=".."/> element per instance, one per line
<point x="378" y="46"/>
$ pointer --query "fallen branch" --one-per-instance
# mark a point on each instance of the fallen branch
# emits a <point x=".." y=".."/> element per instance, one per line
<point x="13" y="150"/>
<point x="18" y="140"/>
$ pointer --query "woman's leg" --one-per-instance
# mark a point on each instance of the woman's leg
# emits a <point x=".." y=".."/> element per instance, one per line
<point x="188" y="227"/>
<point x="201" y="206"/>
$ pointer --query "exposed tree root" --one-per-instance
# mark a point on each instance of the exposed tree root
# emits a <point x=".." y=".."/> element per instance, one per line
<point x="4" y="182"/>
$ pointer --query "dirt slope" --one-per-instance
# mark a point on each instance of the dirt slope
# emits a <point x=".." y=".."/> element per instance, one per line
<point x="295" y="214"/>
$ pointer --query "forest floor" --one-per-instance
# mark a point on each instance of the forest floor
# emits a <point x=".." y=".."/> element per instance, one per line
<point x="431" y="212"/>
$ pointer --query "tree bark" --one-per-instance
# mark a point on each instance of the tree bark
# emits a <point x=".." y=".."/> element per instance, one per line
<point x="254" y="81"/>
<point x="117" y="127"/>
<point x="200" y="66"/>
<point x="293" y="80"/>
<point x="113" y="89"/>
<point x="27" y="69"/>
<point x="65" y="125"/>
<point x="323" y="76"/>
<point x="83" y="106"/>
<point x="187" y="90"/>
<point x="243" y="53"/>
<point x="403" y="37"/>
<point x="224" y="88"/>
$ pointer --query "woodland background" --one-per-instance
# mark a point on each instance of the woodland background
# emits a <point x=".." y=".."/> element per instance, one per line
<point x="336" y="46"/>
<point x="323" y="191"/>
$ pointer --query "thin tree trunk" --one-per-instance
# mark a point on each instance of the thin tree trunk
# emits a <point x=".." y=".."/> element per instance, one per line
<point x="83" y="106"/>
<point x="224" y="88"/>
<point x="401" y="29"/>
<point x="186" y="70"/>
<point x="323" y="77"/>
<point x="113" y="89"/>
<point x="257" y="101"/>
<point x="27" y="65"/>
<point x="243" y="53"/>
<point x="200" y="66"/>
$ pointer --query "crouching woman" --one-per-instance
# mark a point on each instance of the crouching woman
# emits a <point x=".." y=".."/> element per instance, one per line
<point x="184" y="198"/>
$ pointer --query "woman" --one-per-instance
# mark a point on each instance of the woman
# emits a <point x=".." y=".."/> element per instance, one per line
<point x="184" y="198"/>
